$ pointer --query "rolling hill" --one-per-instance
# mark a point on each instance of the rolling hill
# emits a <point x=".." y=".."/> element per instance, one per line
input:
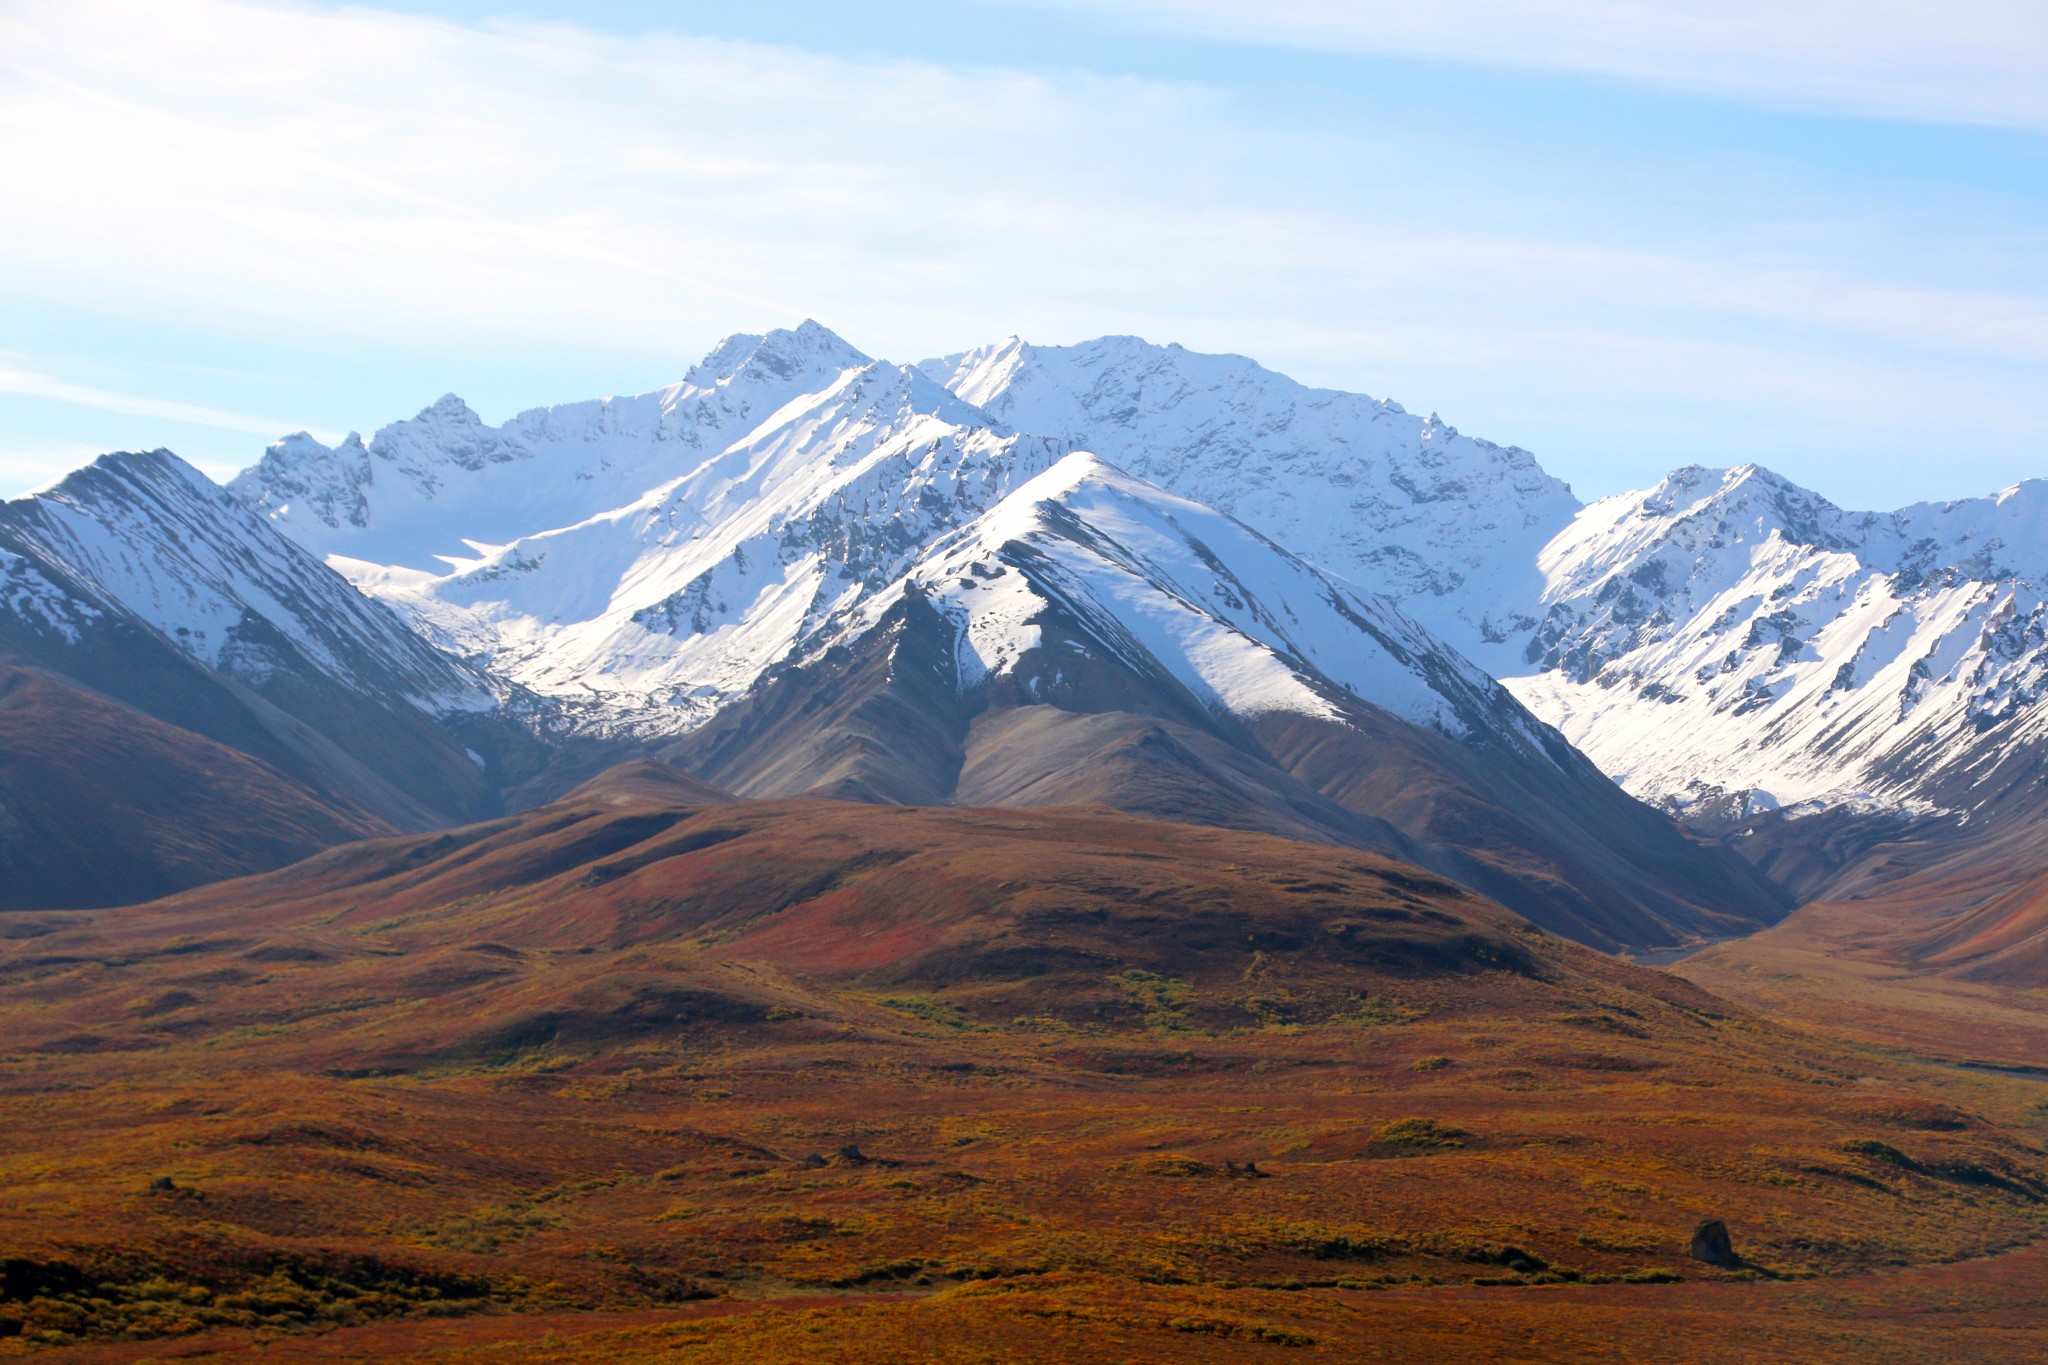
<point x="650" y="1047"/>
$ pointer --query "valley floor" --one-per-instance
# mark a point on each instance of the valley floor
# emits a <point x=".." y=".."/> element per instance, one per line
<point x="1988" y="1310"/>
<point x="647" y="1075"/>
<point x="1811" y="969"/>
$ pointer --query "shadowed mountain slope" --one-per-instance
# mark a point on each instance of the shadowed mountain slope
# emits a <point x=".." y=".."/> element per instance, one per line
<point x="139" y="581"/>
<point x="102" y="805"/>
<point x="1095" y="639"/>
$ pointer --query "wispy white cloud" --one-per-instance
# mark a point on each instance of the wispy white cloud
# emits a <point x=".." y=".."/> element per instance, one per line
<point x="371" y="180"/>
<point x="29" y="384"/>
<point x="1969" y="61"/>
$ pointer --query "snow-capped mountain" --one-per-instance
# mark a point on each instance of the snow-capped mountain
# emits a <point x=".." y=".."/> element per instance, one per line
<point x="1115" y="571"/>
<point x="1731" y="639"/>
<point x="644" y="565"/>
<point x="1094" y="638"/>
<point x="443" y="487"/>
<point x="644" y="560"/>
<point x="152" y="539"/>
<point x="1724" y="641"/>
<point x="640" y="561"/>
<point x="142" y="580"/>
<point x="1164" y="583"/>
<point x="1446" y="524"/>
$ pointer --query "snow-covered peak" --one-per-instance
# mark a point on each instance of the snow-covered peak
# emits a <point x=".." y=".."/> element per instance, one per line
<point x="652" y="611"/>
<point x="429" y="490"/>
<point x="1162" y="582"/>
<point x="1705" y="526"/>
<point x="1403" y="505"/>
<point x="799" y="356"/>
<point x="1729" y="636"/>
<point x="646" y="558"/>
<point x="568" y="547"/>
<point x="149" y="537"/>
<point x="1749" y="501"/>
<point x="2001" y="536"/>
<point x="1652" y="552"/>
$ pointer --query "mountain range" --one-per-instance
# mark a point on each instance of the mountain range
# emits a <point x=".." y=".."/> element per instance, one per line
<point x="1177" y="584"/>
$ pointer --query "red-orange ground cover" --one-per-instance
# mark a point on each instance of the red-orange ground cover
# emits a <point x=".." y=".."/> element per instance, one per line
<point x="811" y="1081"/>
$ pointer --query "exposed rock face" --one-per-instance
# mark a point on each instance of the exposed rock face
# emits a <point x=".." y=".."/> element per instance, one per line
<point x="1712" y="1244"/>
<point x="1447" y="524"/>
<point x="804" y="571"/>
<point x="1728" y="644"/>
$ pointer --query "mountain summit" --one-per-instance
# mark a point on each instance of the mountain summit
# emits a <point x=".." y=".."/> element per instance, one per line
<point x="1446" y="524"/>
<point x="1115" y="571"/>
<point x="1016" y="577"/>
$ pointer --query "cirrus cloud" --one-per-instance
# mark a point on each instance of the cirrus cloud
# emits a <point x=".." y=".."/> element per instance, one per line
<point x="489" y="199"/>
<point x="1971" y="61"/>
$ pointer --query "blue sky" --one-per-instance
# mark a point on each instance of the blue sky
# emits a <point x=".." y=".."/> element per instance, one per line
<point x="1596" y="228"/>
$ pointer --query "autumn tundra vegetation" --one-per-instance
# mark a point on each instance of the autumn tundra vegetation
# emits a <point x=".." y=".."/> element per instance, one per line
<point x="652" y="1073"/>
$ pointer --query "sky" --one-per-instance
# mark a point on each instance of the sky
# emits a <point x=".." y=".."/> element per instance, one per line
<point x="1627" y="235"/>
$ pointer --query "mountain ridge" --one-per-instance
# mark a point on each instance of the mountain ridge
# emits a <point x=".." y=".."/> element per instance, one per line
<point x="625" y="571"/>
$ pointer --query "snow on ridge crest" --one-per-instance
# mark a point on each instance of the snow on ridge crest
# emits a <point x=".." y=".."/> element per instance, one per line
<point x="643" y="560"/>
<point x="807" y="349"/>
<point x="159" y="543"/>
<point x="1447" y="524"/>
<point x="1724" y="636"/>
<point x="1159" y="580"/>
<point x="1729" y="638"/>
<point x="658" y="611"/>
<point x="423" y="487"/>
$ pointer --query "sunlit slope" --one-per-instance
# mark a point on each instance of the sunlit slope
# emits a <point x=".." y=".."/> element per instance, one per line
<point x="650" y="1043"/>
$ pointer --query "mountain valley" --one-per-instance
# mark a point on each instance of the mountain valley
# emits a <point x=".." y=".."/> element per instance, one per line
<point x="1046" y="843"/>
<point x="651" y="1047"/>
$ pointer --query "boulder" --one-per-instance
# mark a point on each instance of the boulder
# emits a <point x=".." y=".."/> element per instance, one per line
<point x="1712" y="1244"/>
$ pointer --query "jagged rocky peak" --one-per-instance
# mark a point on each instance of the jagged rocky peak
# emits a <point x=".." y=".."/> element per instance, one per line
<point x="1729" y="638"/>
<point x="804" y="352"/>
<point x="1670" y="547"/>
<point x="299" y="479"/>
<point x="1999" y="536"/>
<point x="1750" y="502"/>
<point x="1445" y="523"/>
<point x="1996" y="537"/>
